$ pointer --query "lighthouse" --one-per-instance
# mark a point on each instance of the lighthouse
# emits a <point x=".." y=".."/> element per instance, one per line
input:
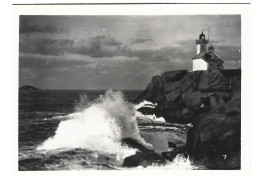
<point x="201" y="43"/>
<point x="206" y="58"/>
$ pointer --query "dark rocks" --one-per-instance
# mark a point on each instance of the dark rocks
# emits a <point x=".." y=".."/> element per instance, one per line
<point x="146" y="110"/>
<point x="182" y="95"/>
<point x="233" y="106"/>
<point x="172" y="96"/>
<point x="192" y="100"/>
<point x="143" y="159"/>
<point x="214" y="135"/>
<point x="153" y="93"/>
<point x="171" y="86"/>
<point x="211" y="101"/>
<point x="172" y="76"/>
<point x="218" y="81"/>
<point x="170" y="155"/>
<point x="224" y="162"/>
<point x="172" y="145"/>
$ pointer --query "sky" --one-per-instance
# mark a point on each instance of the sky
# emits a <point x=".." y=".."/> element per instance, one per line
<point x="117" y="52"/>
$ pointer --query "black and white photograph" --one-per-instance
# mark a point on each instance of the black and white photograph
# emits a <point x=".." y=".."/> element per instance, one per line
<point x="129" y="92"/>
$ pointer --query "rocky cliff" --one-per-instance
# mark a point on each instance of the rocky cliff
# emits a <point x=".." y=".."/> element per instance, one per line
<point x="211" y="101"/>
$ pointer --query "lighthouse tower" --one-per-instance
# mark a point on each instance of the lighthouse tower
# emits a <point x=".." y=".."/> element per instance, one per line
<point x="201" y="43"/>
<point x="206" y="58"/>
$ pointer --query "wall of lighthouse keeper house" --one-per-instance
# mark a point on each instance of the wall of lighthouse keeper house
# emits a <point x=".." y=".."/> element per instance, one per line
<point x="206" y="58"/>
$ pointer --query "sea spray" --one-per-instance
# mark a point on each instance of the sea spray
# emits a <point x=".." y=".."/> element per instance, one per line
<point x="100" y="126"/>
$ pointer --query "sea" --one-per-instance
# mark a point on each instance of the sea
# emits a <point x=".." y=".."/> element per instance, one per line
<point x="83" y="129"/>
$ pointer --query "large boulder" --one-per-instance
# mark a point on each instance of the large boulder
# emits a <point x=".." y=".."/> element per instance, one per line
<point x="172" y="76"/>
<point x="188" y="82"/>
<point x="170" y="155"/>
<point x="171" y="86"/>
<point x="143" y="159"/>
<point x="218" y="81"/>
<point x="233" y="106"/>
<point x="214" y="135"/>
<point x="153" y="93"/>
<point x="174" y="95"/>
<point x="203" y="80"/>
<point x="192" y="100"/>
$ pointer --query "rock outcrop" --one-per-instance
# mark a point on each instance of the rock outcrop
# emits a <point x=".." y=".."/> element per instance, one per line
<point x="215" y="137"/>
<point x="143" y="157"/>
<point x="211" y="101"/>
<point x="146" y="157"/>
<point x="182" y="95"/>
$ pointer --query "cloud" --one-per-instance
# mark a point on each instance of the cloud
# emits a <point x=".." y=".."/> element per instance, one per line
<point x="27" y="25"/>
<point x="164" y="54"/>
<point x="98" y="47"/>
<point x="141" y="40"/>
<point x="229" y="53"/>
<point x="103" y="48"/>
<point x="104" y="40"/>
<point x="49" y="63"/>
<point x="45" y="46"/>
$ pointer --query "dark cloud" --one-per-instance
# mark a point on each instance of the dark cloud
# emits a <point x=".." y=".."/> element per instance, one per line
<point x="229" y="53"/>
<point x="103" y="47"/>
<point x="27" y="25"/>
<point x="101" y="52"/>
<point x="141" y="40"/>
<point x="45" y="46"/>
<point x="108" y="47"/>
<point x="164" y="54"/>
<point x="98" y="47"/>
<point x="41" y="62"/>
<point x="104" y="40"/>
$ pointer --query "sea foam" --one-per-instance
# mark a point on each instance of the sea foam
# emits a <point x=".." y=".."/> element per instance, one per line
<point x="100" y="126"/>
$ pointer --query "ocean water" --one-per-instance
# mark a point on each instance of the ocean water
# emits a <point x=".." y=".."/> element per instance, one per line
<point x="81" y="130"/>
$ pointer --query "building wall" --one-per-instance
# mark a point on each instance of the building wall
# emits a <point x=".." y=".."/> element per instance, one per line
<point x="198" y="49"/>
<point x="199" y="64"/>
<point x="201" y="48"/>
<point x="215" y="65"/>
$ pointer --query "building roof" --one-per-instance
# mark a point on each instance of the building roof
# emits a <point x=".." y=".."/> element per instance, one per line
<point x="205" y="55"/>
<point x="199" y="56"/>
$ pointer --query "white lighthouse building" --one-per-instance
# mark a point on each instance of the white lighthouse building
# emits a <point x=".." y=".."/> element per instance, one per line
<point x="206" y="58"/>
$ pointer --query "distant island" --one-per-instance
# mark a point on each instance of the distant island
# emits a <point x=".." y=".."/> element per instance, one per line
<point x="28" y="87"/>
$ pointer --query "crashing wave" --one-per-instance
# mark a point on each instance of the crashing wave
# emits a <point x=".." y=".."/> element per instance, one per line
<point x="100" y="127"/>
<point x="150" y="117"/>
<point x="145" y="104"/>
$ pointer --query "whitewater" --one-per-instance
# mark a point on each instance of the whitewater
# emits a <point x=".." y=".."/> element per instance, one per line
<point x="93" y="133"/>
